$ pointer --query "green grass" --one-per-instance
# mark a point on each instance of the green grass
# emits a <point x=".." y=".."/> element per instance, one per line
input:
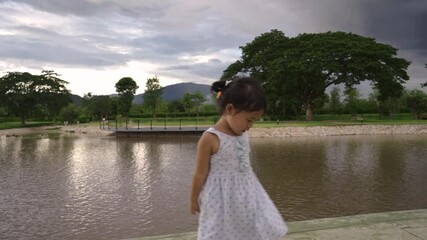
<point x="320" y="120"/>
<point x="337" y="123"/>
<point x="174" y="123"/>
<point x="10" y="125"/>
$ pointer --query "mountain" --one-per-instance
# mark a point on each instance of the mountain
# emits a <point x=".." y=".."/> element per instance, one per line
<point x="76" y="99"/>
<point x="170" y="93"/>
<point x="176" y="91"/>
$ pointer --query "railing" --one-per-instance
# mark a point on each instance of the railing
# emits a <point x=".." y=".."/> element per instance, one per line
<point x="156" y="124"/>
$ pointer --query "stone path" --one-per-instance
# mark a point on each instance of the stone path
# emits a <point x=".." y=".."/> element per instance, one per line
<point x="401" y="225"/>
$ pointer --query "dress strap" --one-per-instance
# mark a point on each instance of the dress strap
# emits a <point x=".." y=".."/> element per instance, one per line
<point x="214" y="131"/>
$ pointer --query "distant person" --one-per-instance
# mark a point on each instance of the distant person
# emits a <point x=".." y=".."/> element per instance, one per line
<point x="229" y="197"/>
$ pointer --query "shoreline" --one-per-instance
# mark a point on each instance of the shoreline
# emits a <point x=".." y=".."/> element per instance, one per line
<point x="319" y="131"/>
<point x="81" y="129"/>
<point x="409" y="224"/>
<point x="257" y="132"/>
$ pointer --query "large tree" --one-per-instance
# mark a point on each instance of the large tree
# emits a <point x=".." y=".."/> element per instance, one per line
<point x="257" y="60"/>
<point x="301" y="68"/>
<point x="70" y="113"/>
<point x="54" y="94"/>
<point x="126" y="88"/>
<point x="193" y="101"/>
<point x="21" y="92"/>
<point x="176" y="106"/>
<point x="351" y="100"/>
<point x="416" y="100"/>
<point x="424" y="84"/>
<point x="152" y="95"/>
<point x="98" y="106"/>
<point x="335" y="104"/>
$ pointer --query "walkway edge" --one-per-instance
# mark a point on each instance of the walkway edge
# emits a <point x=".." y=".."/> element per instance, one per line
<point x="323" y="223"/>
<point x="355" y="220"/>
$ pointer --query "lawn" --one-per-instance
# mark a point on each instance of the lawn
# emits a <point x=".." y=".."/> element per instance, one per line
<point x="320" y="120"/>
<point x="10" y="125"/>
<point x="337" y="123"/>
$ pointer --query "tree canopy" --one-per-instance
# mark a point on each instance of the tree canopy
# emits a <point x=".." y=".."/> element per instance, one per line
<point x="21" y="92"/>
<point x="97" y="106"/>
<point x="416" y="100"/>
<point x="424" y="84"/>
<point x="126" y="88"/>
<point x="152" y="94"/>
<point x="298" y="70"/>
<point x="193" y="101"/>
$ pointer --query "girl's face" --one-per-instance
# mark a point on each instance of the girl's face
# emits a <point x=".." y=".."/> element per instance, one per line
<point x="242" y="121"/>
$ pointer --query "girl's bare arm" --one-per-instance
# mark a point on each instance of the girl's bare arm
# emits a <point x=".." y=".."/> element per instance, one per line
<point x="205" y="149"/>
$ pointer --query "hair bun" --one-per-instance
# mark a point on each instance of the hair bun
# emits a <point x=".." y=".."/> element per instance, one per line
<point x="218" y="86"/>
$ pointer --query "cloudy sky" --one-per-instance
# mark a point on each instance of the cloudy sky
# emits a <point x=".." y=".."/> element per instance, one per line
<point x="94" y="43"/>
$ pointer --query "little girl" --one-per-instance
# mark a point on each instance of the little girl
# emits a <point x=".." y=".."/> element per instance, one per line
<point x="231" y="201"/>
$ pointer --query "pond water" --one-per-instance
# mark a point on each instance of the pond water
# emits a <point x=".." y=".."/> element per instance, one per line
<point x="56" y="186"/>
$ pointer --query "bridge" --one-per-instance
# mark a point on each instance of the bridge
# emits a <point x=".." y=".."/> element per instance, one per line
<point x="152" y="132"/>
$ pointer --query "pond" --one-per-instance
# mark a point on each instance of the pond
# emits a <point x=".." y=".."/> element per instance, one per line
<point x="55" y="186"/>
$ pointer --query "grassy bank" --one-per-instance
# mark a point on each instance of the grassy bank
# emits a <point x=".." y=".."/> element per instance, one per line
<point x="337" y="123"/>
<point x="320" y="120"/>
<point x="11" y="125"/>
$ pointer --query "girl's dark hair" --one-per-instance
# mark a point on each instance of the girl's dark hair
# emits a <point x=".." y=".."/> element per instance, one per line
<point x="245" y="94"/>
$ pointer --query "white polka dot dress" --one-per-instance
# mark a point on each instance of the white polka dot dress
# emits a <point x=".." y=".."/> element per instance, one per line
<point x="234" y="205"/>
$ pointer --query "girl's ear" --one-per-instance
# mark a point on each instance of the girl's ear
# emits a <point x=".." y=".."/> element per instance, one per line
<point x="229" y="108"/>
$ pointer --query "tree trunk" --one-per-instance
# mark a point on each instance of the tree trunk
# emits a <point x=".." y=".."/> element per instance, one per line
<point x="23" y="120"/>
<point x="309" y="113"/>
<point x="154" y="107"/>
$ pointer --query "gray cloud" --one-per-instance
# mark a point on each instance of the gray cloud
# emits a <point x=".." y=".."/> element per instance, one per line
<point x="77" y="7"/>
<point x="97" y="34"/>
<point x="44" y="46"/>
<point x="212" y="69"/>
<point x="395" y="22"/>
<point x="401" y="23"/>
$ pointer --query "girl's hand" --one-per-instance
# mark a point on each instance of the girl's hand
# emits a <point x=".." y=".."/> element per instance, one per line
<point x="194" y="208"/>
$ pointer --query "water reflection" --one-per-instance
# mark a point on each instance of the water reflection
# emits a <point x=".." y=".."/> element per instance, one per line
<point x="336" y="176"/>
<point x="67" y="187"/>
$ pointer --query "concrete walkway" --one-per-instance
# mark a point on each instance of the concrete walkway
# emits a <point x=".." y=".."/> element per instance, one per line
<point x="408" y="225"/>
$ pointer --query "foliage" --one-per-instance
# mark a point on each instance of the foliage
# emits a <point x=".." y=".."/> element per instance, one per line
<point x="126" y="88"/>
<point x="424" y="84"/>
<point x="70" y="113"/>
<point x="97" y="106"/>
<point x="208" y="108"/>
<point x="351" y="98"/>
<point x="55" y="96"/>
<point x="335" y="105"/>
<point x="2" y="112"/>
<point x="320" y="102"/>
<point x="40" y="112"/>
<point x="114" y="103"/>
<point x="137" y="109"/>
<point x="257" y="60"/>
<point x="176" y="106"/>
<point x="21" y="92"/>
<point x="193" y="101"/>
<point x="416" y="100"/>
<point x="300" y="69"/>
<point x="365" y="106"/>
<point x="152" y="94"/>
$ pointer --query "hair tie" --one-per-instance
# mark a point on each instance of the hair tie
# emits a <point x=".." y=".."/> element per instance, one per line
<point x="218" y="94"/>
